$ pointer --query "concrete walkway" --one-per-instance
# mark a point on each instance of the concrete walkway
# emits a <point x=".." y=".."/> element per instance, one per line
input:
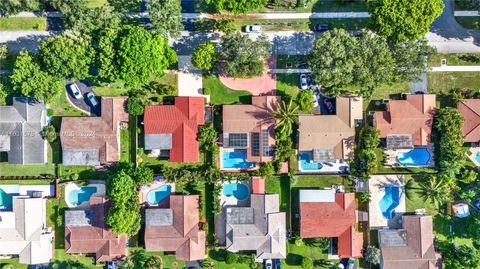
<point x="419" y="86"/>
<point x="466" y="13"/>
<point x="190" y="82"/>
<point x="456" y="68"/>
<point x="289" y="71"/>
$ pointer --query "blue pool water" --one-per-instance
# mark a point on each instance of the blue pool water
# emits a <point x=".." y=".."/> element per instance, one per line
<point x="5" y="199"/>
<point x="157" y="195"/>
<point x="478" y="157"/>
<point x="76" y="197"/>
<point x="416" y="156"/>
<point x="236" y="160"/>
<point x="238" y="190"/>
<point x="390" y="201"/>
<point x="305" y="163"/>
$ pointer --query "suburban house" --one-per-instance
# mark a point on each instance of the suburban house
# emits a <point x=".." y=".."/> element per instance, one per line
<point x="176" y="228"/>
<point x="407" y="123"/>
<point x="410" y="247"/>
<point x="21" y="125"/>
<point x="87" y="233"/>
<point x="172" y="130"/>
<point x="24" y="232"/>
<point x="470" y="110"/>
<point x="94" y="140"/>
<point x="250" y="129"/>
<point x="259" y="227"/>
<point x="329" y="138"/>
<point x="325" y="213"/>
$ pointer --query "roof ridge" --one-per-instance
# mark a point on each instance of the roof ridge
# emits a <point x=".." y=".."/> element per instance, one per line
<point x="469" y="107"/>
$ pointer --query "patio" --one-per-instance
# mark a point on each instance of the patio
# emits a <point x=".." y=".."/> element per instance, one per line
<point x="473" y="154"/>
<point x="392" y="160"/>
<point x="80" y="191"/>
<point x="144" y="190"/>
<point x="377" y="185"/>
<point x="307" y="165"/>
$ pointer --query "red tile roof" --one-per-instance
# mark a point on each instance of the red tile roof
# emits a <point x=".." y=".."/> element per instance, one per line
<point x="183" y="236"/>
<point x="470" y="110"/>
<point x="413" y="116"/>
<point x="181" y="120"/>
<point x="97" y="238"/>
<point x="333" y="219"/>
<point x="258" y="185"/>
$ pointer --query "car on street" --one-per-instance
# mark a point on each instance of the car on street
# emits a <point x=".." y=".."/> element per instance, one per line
<point x="253" y="29"/>
<point x="303" y="82"/>
<point x="75" y="91"/>
<point x="477" y="204"/>
<point x="91" y="99"/>
<point x="268" y="264"/>
<point x="321" y="27"/>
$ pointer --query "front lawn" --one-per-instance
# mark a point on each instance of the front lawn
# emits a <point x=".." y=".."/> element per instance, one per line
<point x="61" y="106"/>
<point x="323" y="6"/>
<point x="302" y="24"/>
<point x="444" y="82"/>
<point x="469" y="22"/>
<point x="221" y="95"/>
<point x="7" y="169"/>
<point x="20" y="23"/>
<point x="455" y="59"/>
<point x="287" y="84"/>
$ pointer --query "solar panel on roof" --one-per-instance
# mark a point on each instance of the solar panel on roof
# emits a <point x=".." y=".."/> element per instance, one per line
<point x="266" y="150"/>
<point x="238" y="140"/>
<point x="323" y="155"/>
<point x="255" y="144"/>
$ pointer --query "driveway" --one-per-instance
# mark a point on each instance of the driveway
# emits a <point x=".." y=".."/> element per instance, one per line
<point x="82" y="103"/>
<point x="190" y="82"/>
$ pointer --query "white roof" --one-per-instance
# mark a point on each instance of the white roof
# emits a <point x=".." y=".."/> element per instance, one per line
<point x="317" y="196"/>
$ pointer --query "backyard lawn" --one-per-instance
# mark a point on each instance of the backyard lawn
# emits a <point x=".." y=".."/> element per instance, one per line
<point x="19" y="23"/>
<point x="7" y="169"/>
<point x="280" y="185"/>
<point x="220" y="94"/>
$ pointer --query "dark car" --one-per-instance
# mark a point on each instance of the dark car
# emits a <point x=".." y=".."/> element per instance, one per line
<point x="321" y="27"/>
<point x="277" y="264"/>
<point x="328" y="105"/>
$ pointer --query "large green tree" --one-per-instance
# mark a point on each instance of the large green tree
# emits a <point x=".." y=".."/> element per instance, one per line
<point x="458" y="257"/>
<point x="411" y="59"/>
<point x="166" y="17"/>
<point x="67" y="55"/>
<point x="435" y="189"/>
<point x="286" y="115"/>
<point x="142" y="55"/>
<point x="29" y="79"/>
<point x="106" y="52"/>
<point x="12" y="7"/>
<point x="91" y="21"/>
<point x="243" y="57"/>
<point x="401" y="20"/>
<point x="237" y="6"/>
<point x="205" y="56"/>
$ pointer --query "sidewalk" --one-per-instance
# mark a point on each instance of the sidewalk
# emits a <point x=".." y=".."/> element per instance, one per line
<point x="466" y="13"/>
<point x="456" y="68"/>
<point x="289" y="71"/>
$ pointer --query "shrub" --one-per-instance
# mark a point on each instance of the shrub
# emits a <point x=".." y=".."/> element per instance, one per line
<point x="50" y="112"/>
<point x="267" y="169"/>
<point x="49" y="133"/>
<point x="307" y="263"/>
<point x="304" y="101"/>
<point x="135" y="106"/>
<point x="231" y="258"/>
<point x="372" y="255"/>
<point x="7" y="266"/>
<point x="3" y="55"/>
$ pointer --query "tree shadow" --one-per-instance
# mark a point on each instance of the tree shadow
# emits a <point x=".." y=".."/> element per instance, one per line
<point x="293" y="259"/>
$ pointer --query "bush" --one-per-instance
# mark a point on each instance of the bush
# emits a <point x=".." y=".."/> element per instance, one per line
<point x="3" y="51"/>
<point x="49" y="133"/>
<point x="135" y="106"/>
<point x="372" y="255"/>
<point x="50" y="112"/>
<point x="304" y="101"/>
<point x="307" y="263"/>
<point x="7" y="266"/>
<point x="267" y="169"/>
<point x="231" y="258"/>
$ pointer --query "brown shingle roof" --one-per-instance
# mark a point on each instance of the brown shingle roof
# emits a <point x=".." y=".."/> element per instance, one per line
<point x="252" y="119"/>
<point x="183" y="235"/>
<point x="335" y="132"/>
<point x="470" y="110"/>
<point x="413" y="116"/>
<point x="96" y="238"/>
<point x="418" y="252"/>
<point x="96" y="133"/>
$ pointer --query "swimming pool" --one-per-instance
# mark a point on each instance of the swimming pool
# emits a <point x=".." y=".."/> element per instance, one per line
<point x="416" y="156"/>
<point x="5" y="199"/>
<point x="307" y="164"/>
<point x="478" y="157"/>
<point x="157" y="195"/>
<point x="236" y="160"/>
<point x="238" y="190"/>
<point x="78" y="196"/>
<point x="390" y="201"/>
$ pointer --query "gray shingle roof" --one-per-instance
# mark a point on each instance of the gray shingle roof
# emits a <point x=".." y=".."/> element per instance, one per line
<point x="158" y="141"/>
<point x="81" y="157"/>
<point x="21" y="125"/>
<point x="158" y="217"/>
<point x="78" y="218"/>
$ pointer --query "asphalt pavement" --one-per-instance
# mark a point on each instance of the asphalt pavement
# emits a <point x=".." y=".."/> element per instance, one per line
<point x="82" y="103"/>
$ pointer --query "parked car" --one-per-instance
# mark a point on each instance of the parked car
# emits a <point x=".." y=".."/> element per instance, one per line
<point x="351" y="263"/>
<point x="111" y="265"/>
<point x="314" y="100"/>
<point x="268" y="264"/>
<point x="253" y="29"/>
<point x="303" y="82"/>
<point x="75" y="91"/>
<point x="477" y="204"/>
<point x="321" y="27"/>
<point x="328" y="105"/>
<point x="277" y="263"/>
<point x="91" y="99"/>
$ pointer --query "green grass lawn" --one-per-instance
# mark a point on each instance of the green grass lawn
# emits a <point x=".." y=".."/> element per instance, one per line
<point x="18" y="23"/>
<point x="28" y="182"/>
<point x="220" y="94"/>
<point x="302" y="24"/>
<point x="61" y="107"/>
<point x="111" y="89"/>
<point x="7" y="169"/>
<point x="280" y="185"/>
<point x="455" y="59"/>
<point x="84" y="172"/>
<point x="323" y="6"/>
<point x="443" y="82"/>
<point x="469" y="22"/>
<point x="96" y="3"/>
<point x="287" y="85"/>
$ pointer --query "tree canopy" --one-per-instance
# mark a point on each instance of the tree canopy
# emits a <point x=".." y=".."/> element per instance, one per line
<point x="12" y="7"/>
<point x="401" y="20"/>
<point x="166" y="17"/>
<point x="410" y="58"/>
<point x="29" y="79"/>
<point x="142" y="55"/>
<point x="237" y="6"/>
<point x="243" y="57"/>
<point x="205" y="56"/>
<point x="67" y="55"/>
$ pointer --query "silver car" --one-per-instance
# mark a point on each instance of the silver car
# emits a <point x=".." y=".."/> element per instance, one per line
<point x="91" y="99"/>
<point x="75" y="91"/>
<point x="303" y="82"/>
<point x="253" y="29"/>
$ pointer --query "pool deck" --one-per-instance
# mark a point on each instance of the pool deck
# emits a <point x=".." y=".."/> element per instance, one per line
<point x="71" y="186"/>
<point x="48" y="190"/>
<point x="472" y="154"/>
<point x="226" y="202"/>
<point x="233" y="170"/>
<point x="376" y="187"/>
<point x="147" y="188"/>
<point x="339" y="166"/>
<point x="391" y="159"/>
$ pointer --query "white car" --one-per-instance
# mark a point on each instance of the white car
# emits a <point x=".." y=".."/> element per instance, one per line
<point x="303" y="82"/>
<point x="75" y="91"/>
<point x="268" y="264"/>
<point x="253" y="29"/>
<point x="314" y="100"/>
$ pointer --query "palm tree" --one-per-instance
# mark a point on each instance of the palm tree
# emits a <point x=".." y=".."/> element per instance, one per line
<point x="435" y="189"/>
<point x="286" y="115"/>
